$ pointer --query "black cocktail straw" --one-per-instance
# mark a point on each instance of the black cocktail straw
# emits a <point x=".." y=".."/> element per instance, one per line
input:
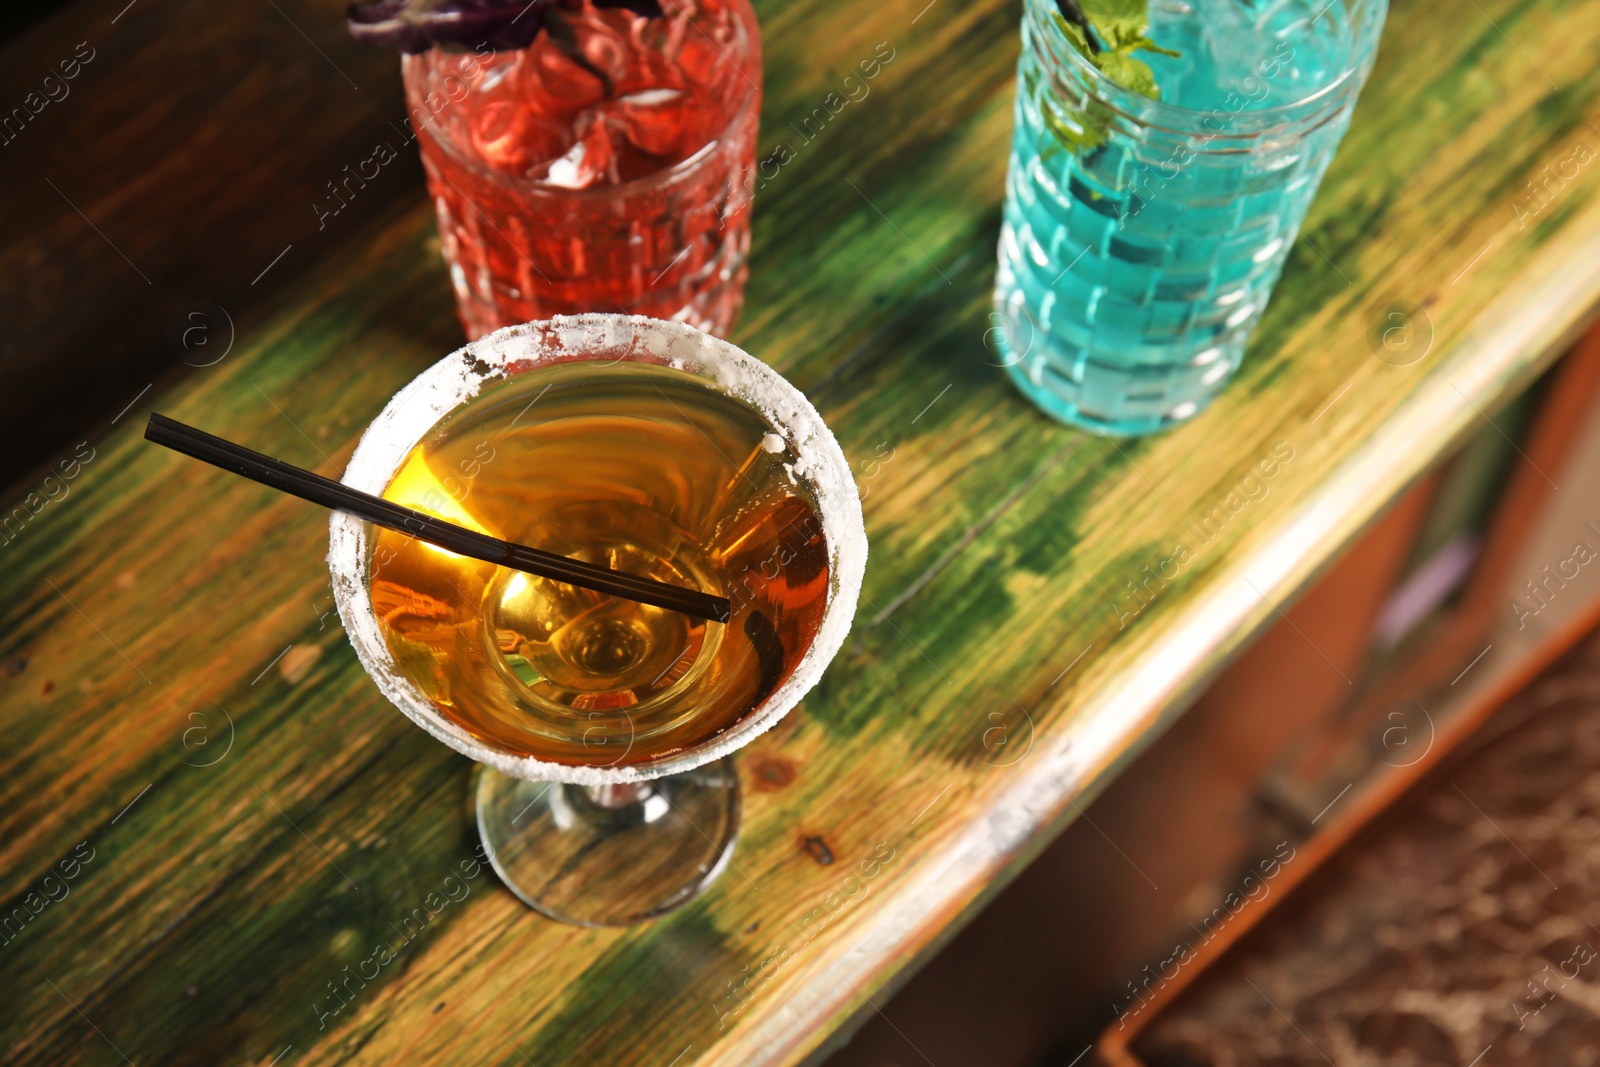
<point x="297" y="481"/>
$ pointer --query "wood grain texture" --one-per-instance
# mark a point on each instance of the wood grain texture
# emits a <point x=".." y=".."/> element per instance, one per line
<point x="998" y="671"/>
<point x="194" y="142"/>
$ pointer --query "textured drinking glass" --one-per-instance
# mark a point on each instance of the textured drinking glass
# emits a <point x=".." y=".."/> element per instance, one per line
<point x="611" y="173"/>
<point x="1141" y="238"/>
<point x="606" y="796"/>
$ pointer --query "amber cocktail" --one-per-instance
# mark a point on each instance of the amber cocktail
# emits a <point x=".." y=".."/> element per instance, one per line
<point x="651" y="448"/>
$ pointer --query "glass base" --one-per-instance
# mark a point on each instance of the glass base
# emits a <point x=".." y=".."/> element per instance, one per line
<point x="712" y="305"/>
<point x="1051" y="390"/>
<point x="609" y="855"/>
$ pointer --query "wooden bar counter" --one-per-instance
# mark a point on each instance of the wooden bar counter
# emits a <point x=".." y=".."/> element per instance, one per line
<point x="212" y="820"/>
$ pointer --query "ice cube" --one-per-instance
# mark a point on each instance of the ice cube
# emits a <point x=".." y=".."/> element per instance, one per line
<point x="512" y="140"/>
<point x="591" y="160"/>
<point x="569" y="171"/>
<point x="603" y="47"/>
<point x="652" y="97"/>
<point x="650" y="69"/>
<point x="701" y="61"/>
<point x="563" y="79"/>
<point x="658" y="121"/>
<point x="1275" y="53"/>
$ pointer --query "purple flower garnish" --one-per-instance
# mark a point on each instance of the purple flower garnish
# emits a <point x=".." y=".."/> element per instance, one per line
<point x="418" y="25"/>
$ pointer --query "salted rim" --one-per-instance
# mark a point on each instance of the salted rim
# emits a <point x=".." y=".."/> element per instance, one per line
<point x="515" y="350"/>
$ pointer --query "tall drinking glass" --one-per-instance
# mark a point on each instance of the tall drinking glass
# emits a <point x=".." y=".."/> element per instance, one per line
<point x="607" y="167"/>
<point x="1142" y="238"/>
<point x="603" y="725"/>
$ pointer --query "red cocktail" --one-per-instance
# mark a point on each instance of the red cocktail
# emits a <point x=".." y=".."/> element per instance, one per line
<point x="607" y="166"/>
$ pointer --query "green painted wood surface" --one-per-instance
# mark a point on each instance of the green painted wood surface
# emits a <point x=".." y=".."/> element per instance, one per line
<point x="180" y="707"/>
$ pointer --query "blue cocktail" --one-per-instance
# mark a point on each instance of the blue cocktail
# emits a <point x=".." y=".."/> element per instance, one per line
<point x="1142" y="237"/>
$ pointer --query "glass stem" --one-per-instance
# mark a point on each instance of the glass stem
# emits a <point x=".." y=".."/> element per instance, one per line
<point x="620" y="794"/>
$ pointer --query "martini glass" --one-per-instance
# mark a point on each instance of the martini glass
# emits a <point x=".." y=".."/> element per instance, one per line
<point x="604" y="727"/>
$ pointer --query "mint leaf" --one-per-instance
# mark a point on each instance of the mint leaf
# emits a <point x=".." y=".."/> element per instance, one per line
<point x="1105" y="12"/>
<point x="1078" y="132"/>
<point x="1148" y="45"/>
<point x="1122" y="28"/>
<point x="1075" y="34"/>
<point x="1107" y="33"/>
<point x="1132" y="74"/>
<point x="1120" y="23"/>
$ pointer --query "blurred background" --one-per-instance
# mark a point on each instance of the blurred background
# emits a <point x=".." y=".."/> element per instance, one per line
<point x="175" y="171"/>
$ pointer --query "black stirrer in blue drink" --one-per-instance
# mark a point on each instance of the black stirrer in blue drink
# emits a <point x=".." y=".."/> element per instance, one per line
<point x="297" y="481"/>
